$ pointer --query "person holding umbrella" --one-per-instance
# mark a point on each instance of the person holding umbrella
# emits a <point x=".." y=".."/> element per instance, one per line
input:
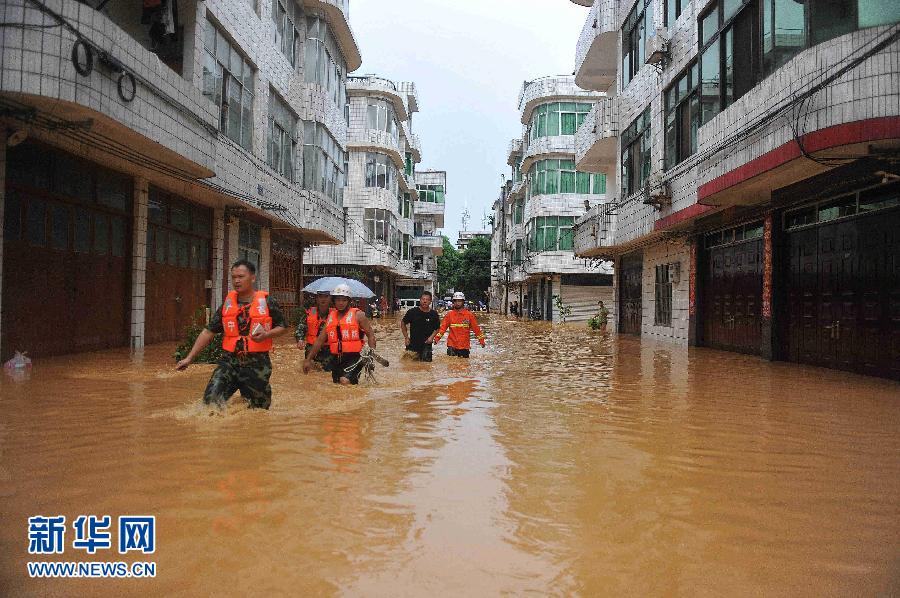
<point x="308" y="328"/>
<point x="346" y="331"/>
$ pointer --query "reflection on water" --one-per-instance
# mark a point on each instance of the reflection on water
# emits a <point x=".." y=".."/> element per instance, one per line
<point x="555" y="461"/>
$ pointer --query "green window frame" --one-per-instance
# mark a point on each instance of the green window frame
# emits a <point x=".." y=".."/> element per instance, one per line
<point x="558" y="118"/>
<point x="553" y="176"/>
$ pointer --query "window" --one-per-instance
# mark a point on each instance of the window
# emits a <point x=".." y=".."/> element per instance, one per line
<point x="559" y="176"/>
<point x="431" y="193"/>
<point x="407" y="205"/>
<point x="381" y="227"/>
<point x="380" y="116"/>
<point x="178" y="233"/>
<point x="682" y="117"/>
<point x="558" y="118"/>
<point x="550" y="233"/>
<point x="228" y="82"/>
<point x="636" y="154"/>
<point x="673" y="10"/>
<point x="518" y="252"/>
<point x="637" y="29"/>
<point x="324" y="62"/>
<point x="663" y="311"/>
<point x="745" y="232"/>
<point x="324" y="162"/>
<point x="729" y="66"/>
<point x="381" y="172"/>
<point x="409" y="164"/>
<point x="519" y="211"/>
<point x="248" y="243"/>
<point x="286" y="14"/>
<point x="282" y="134"/>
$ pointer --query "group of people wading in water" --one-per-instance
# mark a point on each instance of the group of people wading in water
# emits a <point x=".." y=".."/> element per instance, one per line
<point x="251" y="319"/>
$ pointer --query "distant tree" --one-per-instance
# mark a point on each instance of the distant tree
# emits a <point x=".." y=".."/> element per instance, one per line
<point x="447" y="268"/>
<point x="475" y="269"/>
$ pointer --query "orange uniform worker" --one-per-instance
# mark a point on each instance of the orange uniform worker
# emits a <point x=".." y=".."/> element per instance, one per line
<point x="461" y="323"/>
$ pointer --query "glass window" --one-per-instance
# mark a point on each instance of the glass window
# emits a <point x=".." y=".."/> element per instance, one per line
<point x="879" y="198"/>
<point x="12" y="216"/>
<point x="82" y="230"/>
<point x="637" y="29"/>
<point x="248" y="243"/>
<point x="324" y="64"/>
<point x="101" y="234"/>
<point x="558" y="118"/>
<point x="636" y="153"/>
<point x="113" y="190"/>
<point x="228" y="82"/>
<point x="324" y="162"/>
<point x="681" y="118"/>
<point x="59" y="234"/>
<point x="281" y="135"/>
<point x="36" y="222"/>
<point x="117" y="236"/>
<point x="559" y="176"/>
<point x="285" y="14"/>
<point x="663" y="308"/>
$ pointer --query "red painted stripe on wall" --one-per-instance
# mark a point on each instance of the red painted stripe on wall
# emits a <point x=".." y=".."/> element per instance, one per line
<point x="859" y="131"/>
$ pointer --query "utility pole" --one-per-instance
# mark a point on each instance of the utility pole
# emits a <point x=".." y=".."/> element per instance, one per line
<point x="504" y="263"/>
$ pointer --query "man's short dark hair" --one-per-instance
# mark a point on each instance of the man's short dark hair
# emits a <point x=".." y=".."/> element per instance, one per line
<point x="427" y="293"/>
<point x="246" y="263"/>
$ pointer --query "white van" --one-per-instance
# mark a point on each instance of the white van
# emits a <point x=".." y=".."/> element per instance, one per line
<point x="409" y="303"/>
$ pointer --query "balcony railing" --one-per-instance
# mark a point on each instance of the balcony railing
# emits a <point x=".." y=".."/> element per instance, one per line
<point x="596" y="141"/>
<point x="596" y="62"/>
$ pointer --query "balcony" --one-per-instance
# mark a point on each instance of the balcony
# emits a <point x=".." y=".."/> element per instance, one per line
<point x="597" y="139"/>
<point x="595" y="232"/>
<point x="337" y="13"/>
<point x="544" y="147"/>
<point x="365" y="84"/>
<point x="596" y="56"/>
<point x="433" y="242"/>
<point x="415" y="147"/>
<point x="547" y="89"/>
<point x="515" y="150"/>
<point x="412" y="95"/>
<point x="427" y="208"/>
<point x="379" y="141"/>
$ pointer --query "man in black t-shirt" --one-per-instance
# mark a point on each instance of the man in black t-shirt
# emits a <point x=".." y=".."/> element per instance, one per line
<point x="418" y="326"/>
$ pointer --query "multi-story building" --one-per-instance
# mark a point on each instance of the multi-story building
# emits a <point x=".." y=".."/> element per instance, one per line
<point x="380" y="197"/>
<point x="465" y="237"/>
<point x="546" y="196"/>
<point x="146" y="147"/>
<point x="754" y="145"/>
<point x="428" y="242"/>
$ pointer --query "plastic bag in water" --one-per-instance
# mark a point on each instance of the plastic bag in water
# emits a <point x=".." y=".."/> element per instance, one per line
<point x="18" y="362"/>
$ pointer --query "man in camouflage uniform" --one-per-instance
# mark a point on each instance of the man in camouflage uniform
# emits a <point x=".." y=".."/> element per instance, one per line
<point x="303" y="334"/>
<point x="241" y="369"/>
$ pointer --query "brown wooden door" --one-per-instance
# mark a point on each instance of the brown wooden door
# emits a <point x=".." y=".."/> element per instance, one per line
<point x="66" y="276"/>
<point x="843" y="300"/>
<point x="178" y="265"/>
<point x="284" y="284"/>
<point x="630" y="294"/>
<point x="732" y="297"/>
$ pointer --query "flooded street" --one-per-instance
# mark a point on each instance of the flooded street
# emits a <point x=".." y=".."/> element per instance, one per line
<point x="556" y="461"/>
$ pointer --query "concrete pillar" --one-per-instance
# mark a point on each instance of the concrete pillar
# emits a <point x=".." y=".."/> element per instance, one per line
<point x="232" y="236"/>
<point x="139" y="263"/>
<point x="2" y="207"/>
<point x="218" y="259"/>
<point x="768" y="341"/>
<point x="692" y="292"/>
<point x="265" y="259"/>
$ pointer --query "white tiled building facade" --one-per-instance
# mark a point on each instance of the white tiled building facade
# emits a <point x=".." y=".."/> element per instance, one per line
<point x="381" y="195"/>
<point x="545" y="196"/>
<point x="223" y="121"/>
<point x="742" y="137"/>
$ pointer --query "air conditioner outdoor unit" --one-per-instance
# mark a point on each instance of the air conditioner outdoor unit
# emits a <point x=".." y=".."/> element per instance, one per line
<point x="658" y="48"/>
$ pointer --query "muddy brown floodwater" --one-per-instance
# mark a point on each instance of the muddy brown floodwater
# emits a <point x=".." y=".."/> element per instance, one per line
<point x="556" y="461"/>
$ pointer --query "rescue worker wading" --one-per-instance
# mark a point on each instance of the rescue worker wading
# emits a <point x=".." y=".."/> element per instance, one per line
<point x="460" y="321"/>
<point x="250" y="320"/>
<point x="345" y="332"/>
<point x="308" y="329"/>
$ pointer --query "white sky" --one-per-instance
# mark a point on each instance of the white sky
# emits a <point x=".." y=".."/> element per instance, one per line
<point x="468" y="59"/>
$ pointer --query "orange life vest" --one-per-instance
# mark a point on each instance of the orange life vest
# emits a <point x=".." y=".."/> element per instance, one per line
<point x="351" y="335"/>
<point x="259" y="314"/>
<point x="312" y="324"/>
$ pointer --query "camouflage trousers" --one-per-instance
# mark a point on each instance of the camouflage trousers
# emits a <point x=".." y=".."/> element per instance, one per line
<point x="323" y="357"/>
<point x="249" y="374"/>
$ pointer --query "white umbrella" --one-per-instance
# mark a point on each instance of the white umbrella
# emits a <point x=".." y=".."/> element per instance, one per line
<point x="357" y="289"/>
